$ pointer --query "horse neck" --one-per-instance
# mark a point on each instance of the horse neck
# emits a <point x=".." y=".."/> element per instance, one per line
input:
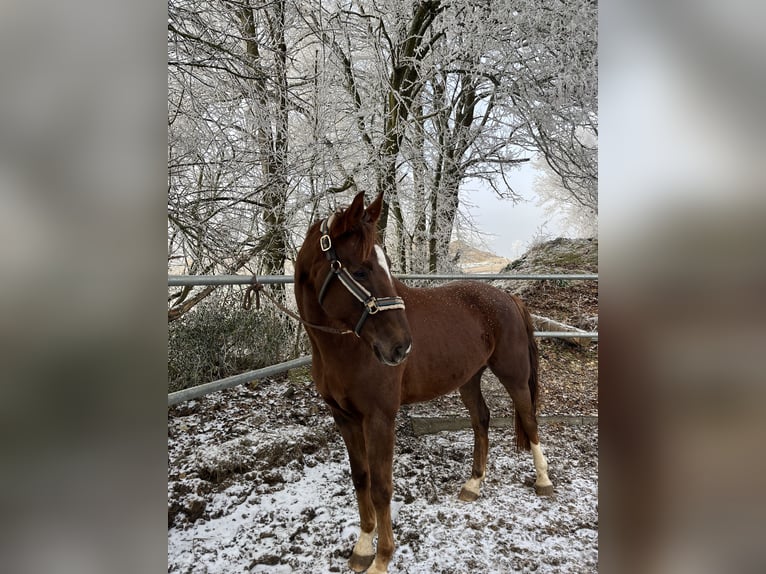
<point x="401" y="289"/>
<point x="307" y="299"/>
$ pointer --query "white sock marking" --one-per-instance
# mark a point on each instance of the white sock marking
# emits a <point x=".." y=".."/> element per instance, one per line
<point x="377" y="568"/>
<point x="473" y="485"/>
<point x="541" y="466"/>
<point x="363" y="547"/>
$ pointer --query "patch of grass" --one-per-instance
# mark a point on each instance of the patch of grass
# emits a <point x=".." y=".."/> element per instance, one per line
<point x="299" y="375"/>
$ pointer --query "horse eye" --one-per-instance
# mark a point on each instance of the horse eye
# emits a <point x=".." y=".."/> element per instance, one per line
<point x="360" y="274"/>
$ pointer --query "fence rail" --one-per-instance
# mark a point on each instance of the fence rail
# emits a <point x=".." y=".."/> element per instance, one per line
<point x="195" y="280"/>
<point x="234" y="380"/>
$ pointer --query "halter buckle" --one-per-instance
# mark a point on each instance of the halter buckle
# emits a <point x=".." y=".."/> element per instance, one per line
<point x="325" y="243"/>
<point x="372" y="305"/>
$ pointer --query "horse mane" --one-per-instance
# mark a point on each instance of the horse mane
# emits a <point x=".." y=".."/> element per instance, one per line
<point x="369" y="238"/>
<point x="364" y="232"/>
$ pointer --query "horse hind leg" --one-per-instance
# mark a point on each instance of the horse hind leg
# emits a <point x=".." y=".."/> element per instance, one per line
<point x="527" y="438"/>
<point x="526" y="424"/>
<point x="543" y="484"/>
<point x="470" y="392"/>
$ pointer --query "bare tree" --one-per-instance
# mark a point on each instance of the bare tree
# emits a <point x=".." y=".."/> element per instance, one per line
<point x="207" y="157"/>
<point x="229" y="170"/>
<point x="557" y="93"/>
<point x="263" y="30"/>
<point x="577" y="219"/>
<point x="278" y="110"/>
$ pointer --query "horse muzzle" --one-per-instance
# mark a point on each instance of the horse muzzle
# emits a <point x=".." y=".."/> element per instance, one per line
<point x="394" y="356"/>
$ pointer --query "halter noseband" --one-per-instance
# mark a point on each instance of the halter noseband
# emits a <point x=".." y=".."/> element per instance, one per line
<point x="371" y="303"/>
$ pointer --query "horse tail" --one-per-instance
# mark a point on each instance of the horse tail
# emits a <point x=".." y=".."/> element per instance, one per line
<point x="522" y="439"/>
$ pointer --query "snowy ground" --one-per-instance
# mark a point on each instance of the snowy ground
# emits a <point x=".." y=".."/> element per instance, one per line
<point x="258" y="481"/>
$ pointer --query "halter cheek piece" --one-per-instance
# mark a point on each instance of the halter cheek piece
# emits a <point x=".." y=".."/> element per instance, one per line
<point x="370" y="303"/>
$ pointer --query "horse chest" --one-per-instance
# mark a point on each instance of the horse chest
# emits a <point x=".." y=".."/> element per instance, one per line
<point x="357" y="394"/>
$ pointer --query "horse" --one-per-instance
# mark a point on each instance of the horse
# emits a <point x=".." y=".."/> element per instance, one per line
<point x="378" y="344"/>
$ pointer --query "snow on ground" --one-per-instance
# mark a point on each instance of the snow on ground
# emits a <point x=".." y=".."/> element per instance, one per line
<point x="258" y="481"/>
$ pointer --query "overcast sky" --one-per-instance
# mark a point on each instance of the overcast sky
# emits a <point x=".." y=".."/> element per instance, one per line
<point x="508" y="228"/>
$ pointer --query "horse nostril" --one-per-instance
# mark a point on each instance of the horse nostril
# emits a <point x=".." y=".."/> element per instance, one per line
<point x="401" y="352"/>
<point x="395" y="356"/>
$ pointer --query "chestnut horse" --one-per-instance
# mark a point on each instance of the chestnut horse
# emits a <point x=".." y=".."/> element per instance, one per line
<point x="378" y="344"/>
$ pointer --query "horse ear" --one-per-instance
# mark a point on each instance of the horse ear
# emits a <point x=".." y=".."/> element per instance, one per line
<point x="351" y="217"/>
<point x="372" y="213"/>
<point x="355" y="210"/>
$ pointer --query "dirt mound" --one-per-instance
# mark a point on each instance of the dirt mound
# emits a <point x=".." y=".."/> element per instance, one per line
<point x="470" y="259"/>
<point x="557" y="256"/>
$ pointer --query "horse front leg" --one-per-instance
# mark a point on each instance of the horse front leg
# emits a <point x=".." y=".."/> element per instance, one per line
<point x="351" y="430"/>
<point x="477" y="407"/>
<point x="380" y="432"/>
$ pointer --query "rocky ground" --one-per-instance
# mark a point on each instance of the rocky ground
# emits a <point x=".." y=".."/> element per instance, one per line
<point x="258" y="479"/>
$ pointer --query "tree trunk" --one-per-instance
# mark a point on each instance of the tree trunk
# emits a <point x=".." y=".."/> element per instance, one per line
<point x="418" y="245"/>
<point x="271" y="131"/>
<point x="400" y="234"/>
<point x="445" y="201"/>
<point x="404" y="85"/>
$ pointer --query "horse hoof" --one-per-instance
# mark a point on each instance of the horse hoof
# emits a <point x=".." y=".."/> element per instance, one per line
<point x="360" y="563"/>
<point x="468" y="495"/>
<point x="375" y="569"/>
<point x="544" y="490"/>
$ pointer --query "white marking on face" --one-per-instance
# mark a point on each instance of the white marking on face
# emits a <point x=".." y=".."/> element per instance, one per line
<point x="381" y="255"/>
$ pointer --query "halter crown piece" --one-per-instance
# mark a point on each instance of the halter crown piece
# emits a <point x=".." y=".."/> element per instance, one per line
<point x="370" y="303"/>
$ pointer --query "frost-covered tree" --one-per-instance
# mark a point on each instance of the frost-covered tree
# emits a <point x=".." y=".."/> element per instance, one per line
<point x="577" y="219"/>
<point x="556" y="93"/>
<point x="280" y="110"/>
<point x="232" y="89"/>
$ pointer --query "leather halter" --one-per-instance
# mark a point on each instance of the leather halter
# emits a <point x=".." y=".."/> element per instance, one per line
<point x="370" y="303"/>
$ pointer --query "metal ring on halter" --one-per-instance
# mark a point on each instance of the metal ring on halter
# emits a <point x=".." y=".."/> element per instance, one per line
<point x="372" y="305"/>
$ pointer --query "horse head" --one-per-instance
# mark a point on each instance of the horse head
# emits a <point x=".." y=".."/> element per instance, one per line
<point x="343" y="277"/>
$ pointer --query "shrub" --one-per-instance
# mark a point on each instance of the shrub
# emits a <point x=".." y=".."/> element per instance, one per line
<point x="218" y="339"/>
